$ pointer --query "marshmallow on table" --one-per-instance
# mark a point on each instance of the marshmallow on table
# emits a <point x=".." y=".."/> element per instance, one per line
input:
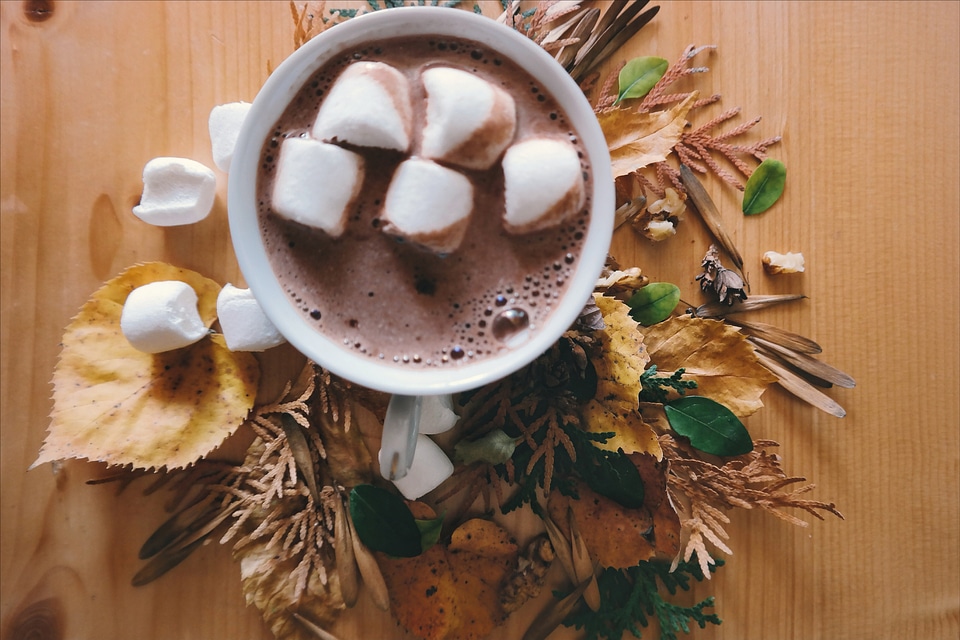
<point x="316" y="183"/>
<point x="244" y="324"/>
<point x="176" y="191"/>
<point x="224" y="125"/>
<point x="368" y="106"/>
<point x="437" y="415"/>
<point x="469" y="121"/>
<point x="543" y="184"/>
<point x="162" y="316"/>
<point x="428" y="204"/>
<point x="429" y="469"/>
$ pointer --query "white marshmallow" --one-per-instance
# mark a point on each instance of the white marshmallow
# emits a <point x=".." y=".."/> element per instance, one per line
<point x="224" y="125"/>
<point x="244" y="324"/>
<point x="316" y="183"/>
<point x="429" y="469"/>
<point x="469" y="121"/>
<point x="161" y="316"/>
<point x="437" y="415"/>
<point x="543" y="184"/>
<point x="368" y="106"/>
<point x="428" y="204"/>
<point x="176" y="191"/>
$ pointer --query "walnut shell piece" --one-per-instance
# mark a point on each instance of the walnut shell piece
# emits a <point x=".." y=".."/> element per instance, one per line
<point x="778" y="263"/>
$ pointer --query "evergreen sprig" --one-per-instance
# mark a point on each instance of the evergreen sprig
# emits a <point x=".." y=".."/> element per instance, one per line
<point x="654" y="388"/>
<point x="630" y="597"/>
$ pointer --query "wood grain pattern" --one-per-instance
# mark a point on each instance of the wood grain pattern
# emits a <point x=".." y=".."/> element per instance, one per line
<point x="865" y="95"/>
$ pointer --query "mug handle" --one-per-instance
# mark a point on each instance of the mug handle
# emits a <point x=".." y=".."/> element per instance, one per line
<point x="401" y="426"/>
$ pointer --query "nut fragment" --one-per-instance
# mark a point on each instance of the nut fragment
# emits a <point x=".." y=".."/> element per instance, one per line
<point x="775" y="263"/>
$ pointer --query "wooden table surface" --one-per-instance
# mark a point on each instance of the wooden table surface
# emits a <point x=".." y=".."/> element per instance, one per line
<point x="865" y="95"/>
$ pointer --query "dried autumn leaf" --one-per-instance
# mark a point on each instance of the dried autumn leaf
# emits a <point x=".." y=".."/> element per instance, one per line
<point x="637" y="139"/>
<point x="453" y="590"/>
<point x="616" y="536"/>
<point x="718" y="357"/>
<point x="115" y="404"/>
<point x="621" y="362"/>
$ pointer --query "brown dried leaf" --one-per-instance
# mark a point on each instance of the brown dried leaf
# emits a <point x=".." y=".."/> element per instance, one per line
<point x="619" y="367"/>
<point x="453" y="590"/>
<point x="115" y="404"/>
<point x="638" y="139"/>
<point x="718" y="357"/>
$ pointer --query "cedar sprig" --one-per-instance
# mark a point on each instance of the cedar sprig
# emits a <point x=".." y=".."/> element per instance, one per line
<point x="654" y="388"/>
<point x="704" y="492"/>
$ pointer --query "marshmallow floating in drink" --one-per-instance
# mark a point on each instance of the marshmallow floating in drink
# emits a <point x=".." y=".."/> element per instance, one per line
<point x="428" y="204"/>
<point x="244" y="324"/>
<point x="368" y="106"/>
<point x="543" y="184"/>
<point x="176" y="191"/>
<point x="316" y="183"/>
<point x="224" y="124"/>
<point x="429" y="469"/>
<point x="469" y="120"/>
<point x="162" y="316"/>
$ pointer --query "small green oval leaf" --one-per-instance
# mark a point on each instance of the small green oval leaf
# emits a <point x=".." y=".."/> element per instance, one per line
<point x="496" y="447"/>
<point x="613" y="474"/>
<point x="639" y="76"/>
<point x="429" y="531"/>
<point x="764" y="187"/>
<point x="710" y="426"/>
<point x="654" y="303"/>
<point x="384" y="522"/>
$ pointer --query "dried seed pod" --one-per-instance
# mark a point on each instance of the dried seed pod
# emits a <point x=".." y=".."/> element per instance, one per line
<point x="369" y="570"/>
<point x="582" y="564"/>
<point x="343" y="552"/>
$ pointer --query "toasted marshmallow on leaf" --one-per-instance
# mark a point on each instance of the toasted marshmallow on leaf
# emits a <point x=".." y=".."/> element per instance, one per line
<point x="469" y="120"/>
<point x="162" y="316"/>
<point x="244" y="324"/>
<point x="430" y="467"/>
<point x="543" y="184"/>
<point x="368" y="106"/>
<point x="316" y="183"/>
<point x="224" y="124"/>
<point x="428" y="204"/>
<point x="176" y="191"/>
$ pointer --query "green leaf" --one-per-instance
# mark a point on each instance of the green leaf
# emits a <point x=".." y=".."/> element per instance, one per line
<point x="710" y="426"/>
<point x="654" y="303"/>
<point x="429" y="531"/>
<point x="615" y="476"/>
<point x="384" y="522"/>
<point x="764" y="187"/>
<point x="495" y="447"/>
<point x="639" y="76"/>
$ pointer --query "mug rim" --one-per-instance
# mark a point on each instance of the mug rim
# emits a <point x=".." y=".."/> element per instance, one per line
<point x="287" y="80"/>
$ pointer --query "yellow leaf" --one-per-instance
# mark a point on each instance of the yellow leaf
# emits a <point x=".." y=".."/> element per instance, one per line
<point x="453" y="590"/>
<point x="715" y="355"/>
<point x="115" y="404"/>
<point x="636" y="139"/>
<point x="619" y="367"/>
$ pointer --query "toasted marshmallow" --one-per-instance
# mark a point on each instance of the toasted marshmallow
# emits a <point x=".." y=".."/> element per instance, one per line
<point x="244" y="324"/>
<point x="316" y="183"/>
<point x="543" y="184"/>
<point x="161" y="316"/>
<point x="429" y="469"/>
<point x="469" y="121"/>
<point x="428" y="204"/>
<point x="368" y="106"/>
<point x="437" y="415"/>
<point x="176" y="191"/>
<point x="224" y="124"/>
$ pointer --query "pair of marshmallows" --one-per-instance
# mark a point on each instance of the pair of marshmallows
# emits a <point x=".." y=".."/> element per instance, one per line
<point x="430" y="466"/>
<point x="180" y="191"/>
<point x="162" y="316"/>
<point x="469" y="125"/>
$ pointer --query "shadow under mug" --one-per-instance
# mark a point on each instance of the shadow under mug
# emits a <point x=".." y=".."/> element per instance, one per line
<point x="408" y="385"/>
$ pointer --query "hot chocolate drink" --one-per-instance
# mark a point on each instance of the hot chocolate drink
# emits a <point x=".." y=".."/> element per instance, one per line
<point x="391" y="299"/>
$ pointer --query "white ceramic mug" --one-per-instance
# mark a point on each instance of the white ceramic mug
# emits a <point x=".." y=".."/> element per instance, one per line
<point x="405" y="383"/>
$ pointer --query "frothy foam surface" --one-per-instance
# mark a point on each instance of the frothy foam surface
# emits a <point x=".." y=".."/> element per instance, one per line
<point x="394" y="301"/>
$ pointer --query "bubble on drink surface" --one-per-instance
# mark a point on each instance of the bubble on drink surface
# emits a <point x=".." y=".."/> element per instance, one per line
<point x="511" y="326"/>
